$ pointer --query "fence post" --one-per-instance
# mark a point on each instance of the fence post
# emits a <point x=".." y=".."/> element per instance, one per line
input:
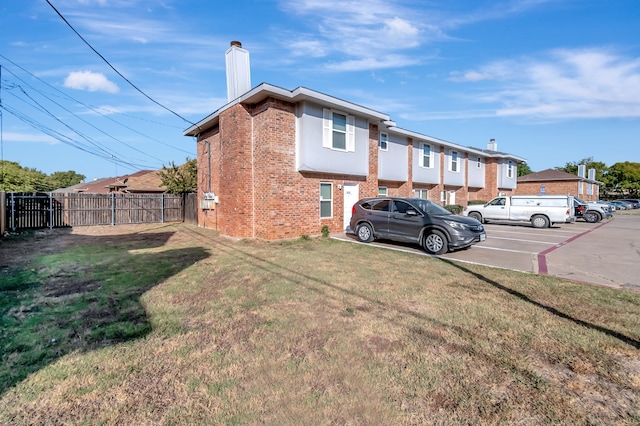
<point x="3" y="212"/>
<point x="162" y="209"/>
<point x="51" y="210"/>
<point x="113" y="209"/>
<point x="13" y="212"/>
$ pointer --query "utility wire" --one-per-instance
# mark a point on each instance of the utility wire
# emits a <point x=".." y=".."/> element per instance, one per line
<point x="94" y="109"/>
<point x="114" y="69"/>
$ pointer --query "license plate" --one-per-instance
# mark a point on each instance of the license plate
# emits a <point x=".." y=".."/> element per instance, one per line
<point x="483" y="237"/>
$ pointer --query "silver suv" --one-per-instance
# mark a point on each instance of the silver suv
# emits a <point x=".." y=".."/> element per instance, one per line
<point x="414" y="220"/>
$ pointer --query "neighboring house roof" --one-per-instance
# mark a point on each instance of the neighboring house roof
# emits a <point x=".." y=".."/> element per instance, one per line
<point x="265" y="90"/>
<point x="553" y="175"/>
<point x="144" y="181"/>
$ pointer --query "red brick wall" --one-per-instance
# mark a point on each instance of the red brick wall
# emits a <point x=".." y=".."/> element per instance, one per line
<point x="558" y="188"/>
<point x="248" y="161"/>
<point x="208" y="174"/>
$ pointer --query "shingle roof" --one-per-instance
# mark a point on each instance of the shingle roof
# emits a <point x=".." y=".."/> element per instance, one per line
<point x="552" y="175"/>
<point x="147" y="181"/>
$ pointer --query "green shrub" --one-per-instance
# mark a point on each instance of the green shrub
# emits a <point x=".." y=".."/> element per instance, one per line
<point x="454" y="208"/>
<point x="476" y="202"/>
<point x="325" y="231"/>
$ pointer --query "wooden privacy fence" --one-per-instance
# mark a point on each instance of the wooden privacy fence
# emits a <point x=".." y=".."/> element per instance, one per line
<point x="52" y="210"/>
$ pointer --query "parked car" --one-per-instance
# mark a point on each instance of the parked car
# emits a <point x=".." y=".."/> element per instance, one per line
<point x="611" y="206"/>
<point x="626" y="204"/>
<point x="414" y="220"/>
<point x="634" y="202"/>
<point x="592" y="211"/>
<point x="618" y="205"/>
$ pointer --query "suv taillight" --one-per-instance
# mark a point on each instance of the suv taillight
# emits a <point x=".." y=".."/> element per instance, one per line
<point x="353" y="209"/>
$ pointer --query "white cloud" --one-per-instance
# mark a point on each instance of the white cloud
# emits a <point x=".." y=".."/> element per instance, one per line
<point x="29" y="138"/>
<point x="587" y="83"/>
<point x="391" y="61"/>
<point x="91" y="81"/>
<point x="364" y="35"/>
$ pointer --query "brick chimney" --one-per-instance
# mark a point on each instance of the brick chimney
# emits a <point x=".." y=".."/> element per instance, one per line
<point x="238" y="71"/>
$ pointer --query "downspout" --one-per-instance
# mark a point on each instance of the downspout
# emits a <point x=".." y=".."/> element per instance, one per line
<point x="253" y="186"/>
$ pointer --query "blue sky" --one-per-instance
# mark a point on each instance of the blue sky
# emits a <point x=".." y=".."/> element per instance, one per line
<point x="553" y="81"/>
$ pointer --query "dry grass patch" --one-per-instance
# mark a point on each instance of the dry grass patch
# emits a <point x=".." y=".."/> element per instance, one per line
<point x="324" y="332"/>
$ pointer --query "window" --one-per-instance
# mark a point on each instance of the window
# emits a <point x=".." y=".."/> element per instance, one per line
<point x="383" y="142"/>
<point x="510" y="169"/>
<point x="453" y="165"/>
<point x="421" y="193"/>
<point x="402" y="207"/>
<point x="479" y="163"/>
<point x="383" y="191"/>
<point x="326" y="200"/>
<point x="425" y="156"/>
<point x="381" y="206"/>
<point x="338" y="131"/>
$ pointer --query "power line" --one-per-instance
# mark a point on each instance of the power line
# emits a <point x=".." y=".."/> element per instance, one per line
<point x="94" y="109"/>
<point x="114" y="69"/>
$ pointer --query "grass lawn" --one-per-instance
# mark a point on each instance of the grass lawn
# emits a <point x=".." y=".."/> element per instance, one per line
<point x="172" y="324"/>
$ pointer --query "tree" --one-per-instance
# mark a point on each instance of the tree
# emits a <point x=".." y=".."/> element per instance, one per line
<point x="524" y="169"/>
<point x="590" y="163"/>
<point x="624" y="178"/>
<point x="180" y="179"/>
<point x="65" y="179"/>
<point x="15" y="178"/>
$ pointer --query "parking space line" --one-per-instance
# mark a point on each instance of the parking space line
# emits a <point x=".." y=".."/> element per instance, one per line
<point x="501" y="249"/>
<point x="523" y="240"/>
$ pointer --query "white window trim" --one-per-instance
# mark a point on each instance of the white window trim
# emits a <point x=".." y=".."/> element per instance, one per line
<point x="386" y="141"/>
<point x="451" y="162"/>
<point x="383" y="191"/>
<point x="327" y="131"/>
<point x="420" y="190"/>
<point x="421" y="162"/>
<point x="479" y="163"/>
<point x="510" y="169"/>
<point x="330" y="200"/>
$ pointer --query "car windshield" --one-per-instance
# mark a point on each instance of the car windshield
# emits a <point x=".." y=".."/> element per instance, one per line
<point x="431" y="208"/>
<point x="579" y="200"/>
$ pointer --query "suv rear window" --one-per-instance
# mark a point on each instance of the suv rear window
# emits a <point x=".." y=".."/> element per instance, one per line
<point x="378" y="205"/>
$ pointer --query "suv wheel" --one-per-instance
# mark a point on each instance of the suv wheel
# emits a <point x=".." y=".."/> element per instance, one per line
<point x="435" y="242"/>
<point x="364" y="232"/>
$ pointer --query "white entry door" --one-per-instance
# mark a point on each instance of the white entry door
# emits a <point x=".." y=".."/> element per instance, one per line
<point x="351" y="196"/>
<point x="452" y="197"/>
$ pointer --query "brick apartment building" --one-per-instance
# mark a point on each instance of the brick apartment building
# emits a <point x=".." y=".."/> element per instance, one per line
<point x="276" y="163"/>
<point x="557" y="182"/>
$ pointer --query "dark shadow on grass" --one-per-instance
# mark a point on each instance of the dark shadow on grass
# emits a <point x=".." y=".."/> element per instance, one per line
<point x="626" y="339"/>
<point x="80" y="306"/>
<point x="258" y="262"/>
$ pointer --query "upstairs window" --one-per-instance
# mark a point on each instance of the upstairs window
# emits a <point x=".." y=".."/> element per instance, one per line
<point x="453" y="165"/>
<point x="510" y="169"/>
<point x="479" y="163"/>
<point x="383" y="191"/>
<point x="383" y="143"/>
<point x="425" y="156"/>
<point x="338" y="131"/>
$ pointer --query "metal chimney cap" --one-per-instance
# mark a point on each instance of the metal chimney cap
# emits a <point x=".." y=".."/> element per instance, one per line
<point x="236" y="43"/>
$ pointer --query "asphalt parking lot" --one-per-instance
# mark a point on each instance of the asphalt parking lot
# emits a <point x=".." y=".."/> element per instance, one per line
<point x="605" y="253"/>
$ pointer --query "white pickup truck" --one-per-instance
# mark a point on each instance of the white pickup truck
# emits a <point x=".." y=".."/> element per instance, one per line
<point x="541" y="210"/>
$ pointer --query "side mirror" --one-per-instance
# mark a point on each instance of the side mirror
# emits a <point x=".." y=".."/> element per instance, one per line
<point x="412" y="212"/>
